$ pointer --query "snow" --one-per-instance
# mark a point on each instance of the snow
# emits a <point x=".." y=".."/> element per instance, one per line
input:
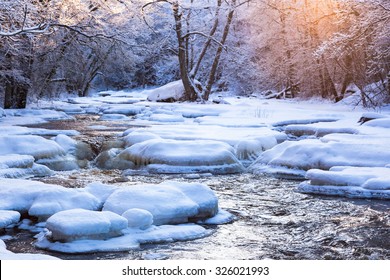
<point x="8" y="218"/>
<point x="36" y="146"/>
<point x="175" y="156"/>
<point x="131" y="239"/>
<point x="138" y="136"/>
<point x="42" y="200"/>
<point x="166" y="118"/>
<point x="127" y="110"/>
<point x="114" y="117"/>
<point x="222" y="217"/>
<point x="8" y="255"/>
<point x="173" y="90"/>
<point x="138" y="218"/>
<point x="32" y="116"/>
<point x="76" y="224"/>
<point x="382" y="122"/>
<point x="191" y="200"/>
<point x="358" y="182"/>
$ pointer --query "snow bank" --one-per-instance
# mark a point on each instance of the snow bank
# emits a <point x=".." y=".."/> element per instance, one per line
<point x="357" y="182"/>
<point x="170" y="92"/>
<point x="169" y="203"/>
<point x="42" y="200"/>
<point x="32" y="116"/>
<point x="76" y="224"/>
<point x="382" y="122"/>
<point x="174" y="156"/>
<point x="8" y="218"/>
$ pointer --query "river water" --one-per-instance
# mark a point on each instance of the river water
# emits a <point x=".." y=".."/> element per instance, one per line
<point x="272" y="220"/>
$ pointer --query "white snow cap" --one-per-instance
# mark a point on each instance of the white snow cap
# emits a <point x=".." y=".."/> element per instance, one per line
<point x="173" y="90"/>
<point x="175" y="156"/>
<point x="169" y="202"/>
<point x="85" y="224"/>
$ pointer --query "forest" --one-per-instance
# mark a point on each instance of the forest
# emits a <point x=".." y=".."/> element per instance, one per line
<point x="328" y="48"/>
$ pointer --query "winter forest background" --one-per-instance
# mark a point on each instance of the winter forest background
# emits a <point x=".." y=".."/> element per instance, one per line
<point x="304" y="48"/>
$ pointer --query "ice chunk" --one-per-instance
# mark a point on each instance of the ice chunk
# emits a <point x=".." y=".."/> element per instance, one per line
<point x="36" y="170"/>
<point x="174" y="156"/>
<point x="67" y="143"/>
<point x="250" y="149"/>
<point x="100" y="191"/>
<point x="36" y="146"/>
<point x="16" y="161"/>
<point x="76" y="224"/>
<point x="222" y="217"/>
<point x="8" y="218"/>
<point x="166" y="118"/>
<point x="138" y="218"/>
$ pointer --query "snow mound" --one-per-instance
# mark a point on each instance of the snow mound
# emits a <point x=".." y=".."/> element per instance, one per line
<point x="77" y="224"/>
<point x="382" y="122"/>
<point x="174" y="156"/>
<point x="42" y="200"/>
<point x="138" y="218"/>
<point x="21" y="166"/>
<point x="312" y="153"/>
<point x="250" y="149"/>
<point x="8" y="255"/>
<point x="169" y="203"/>
<point x="357" y="182"/>
<point x="305" y="130"/>
<point x="170" y="92"/>
<point x="8" y="218"/>
<point x="36" y="146"/>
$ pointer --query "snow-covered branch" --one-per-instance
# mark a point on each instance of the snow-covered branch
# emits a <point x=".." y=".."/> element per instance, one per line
<point x="37" y="29"/>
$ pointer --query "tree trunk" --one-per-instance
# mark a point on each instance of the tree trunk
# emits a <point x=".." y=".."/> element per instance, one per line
<point x="189" y="87"/>
<point x="348" y="78"/>
<point x="218" y="54"/>
<point x="15" y="94"/>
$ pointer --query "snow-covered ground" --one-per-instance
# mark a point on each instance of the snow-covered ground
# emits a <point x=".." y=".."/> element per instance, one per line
<point x="314" y="140"/>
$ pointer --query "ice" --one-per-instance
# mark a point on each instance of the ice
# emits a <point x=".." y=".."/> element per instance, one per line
<point x="114" y="117"/>
<point x="36" y="146"/>
<point x="302" y="130"/>
<point x="222" y="217"/>
<point x="173" y="91"/>
<point x="127" y="110"/>
<point x="174" y="156"/>
<point x="137" y="136"/>
<point x="138" y="218"/>
<point x="114" y="159"/>
<point x="76" y="224"/>
<point x="36" y="170"/>
<point x="16" y="161"/>
<point x="8" y="255"/>
<point x="359" y="182"/>
<point x="42" y="200"/>
<point x="21" y="130"/>
<point x="250" y="149"/>
<point x="100" y="191"/>
<point x="312" y="153"/>
<point x="166" y="118"/>
<point x="131" y="239"/>
<point x="67" y="143"/>
<point x="8" y="218"/>
<point x="169" y="202"/>
<point x="230" y="121"/>
<point x="33" y="116"/>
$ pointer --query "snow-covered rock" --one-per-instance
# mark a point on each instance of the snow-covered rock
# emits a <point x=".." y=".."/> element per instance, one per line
<point x="114" y="159"/>
<point x="173" y="91"/>
<point x="42" y="200"/>
<point x="137" y="136"/>
<point x="21" y="166"/>
<point x="312" y="153"/>
<point x="359" y="182"/>
<point x="127" y="110"/>
<point x="8" y="218"/>
<point x="138" y="218"/>
<point x="77" y="224"/>
<point x="169" y="203"/>
<point x="113" y="117"/>
<point x="174" y="156"/>
<point x="36" y="146"/>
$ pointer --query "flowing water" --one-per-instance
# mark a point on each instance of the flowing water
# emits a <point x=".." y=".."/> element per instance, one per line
<point x="272" y="220"/>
